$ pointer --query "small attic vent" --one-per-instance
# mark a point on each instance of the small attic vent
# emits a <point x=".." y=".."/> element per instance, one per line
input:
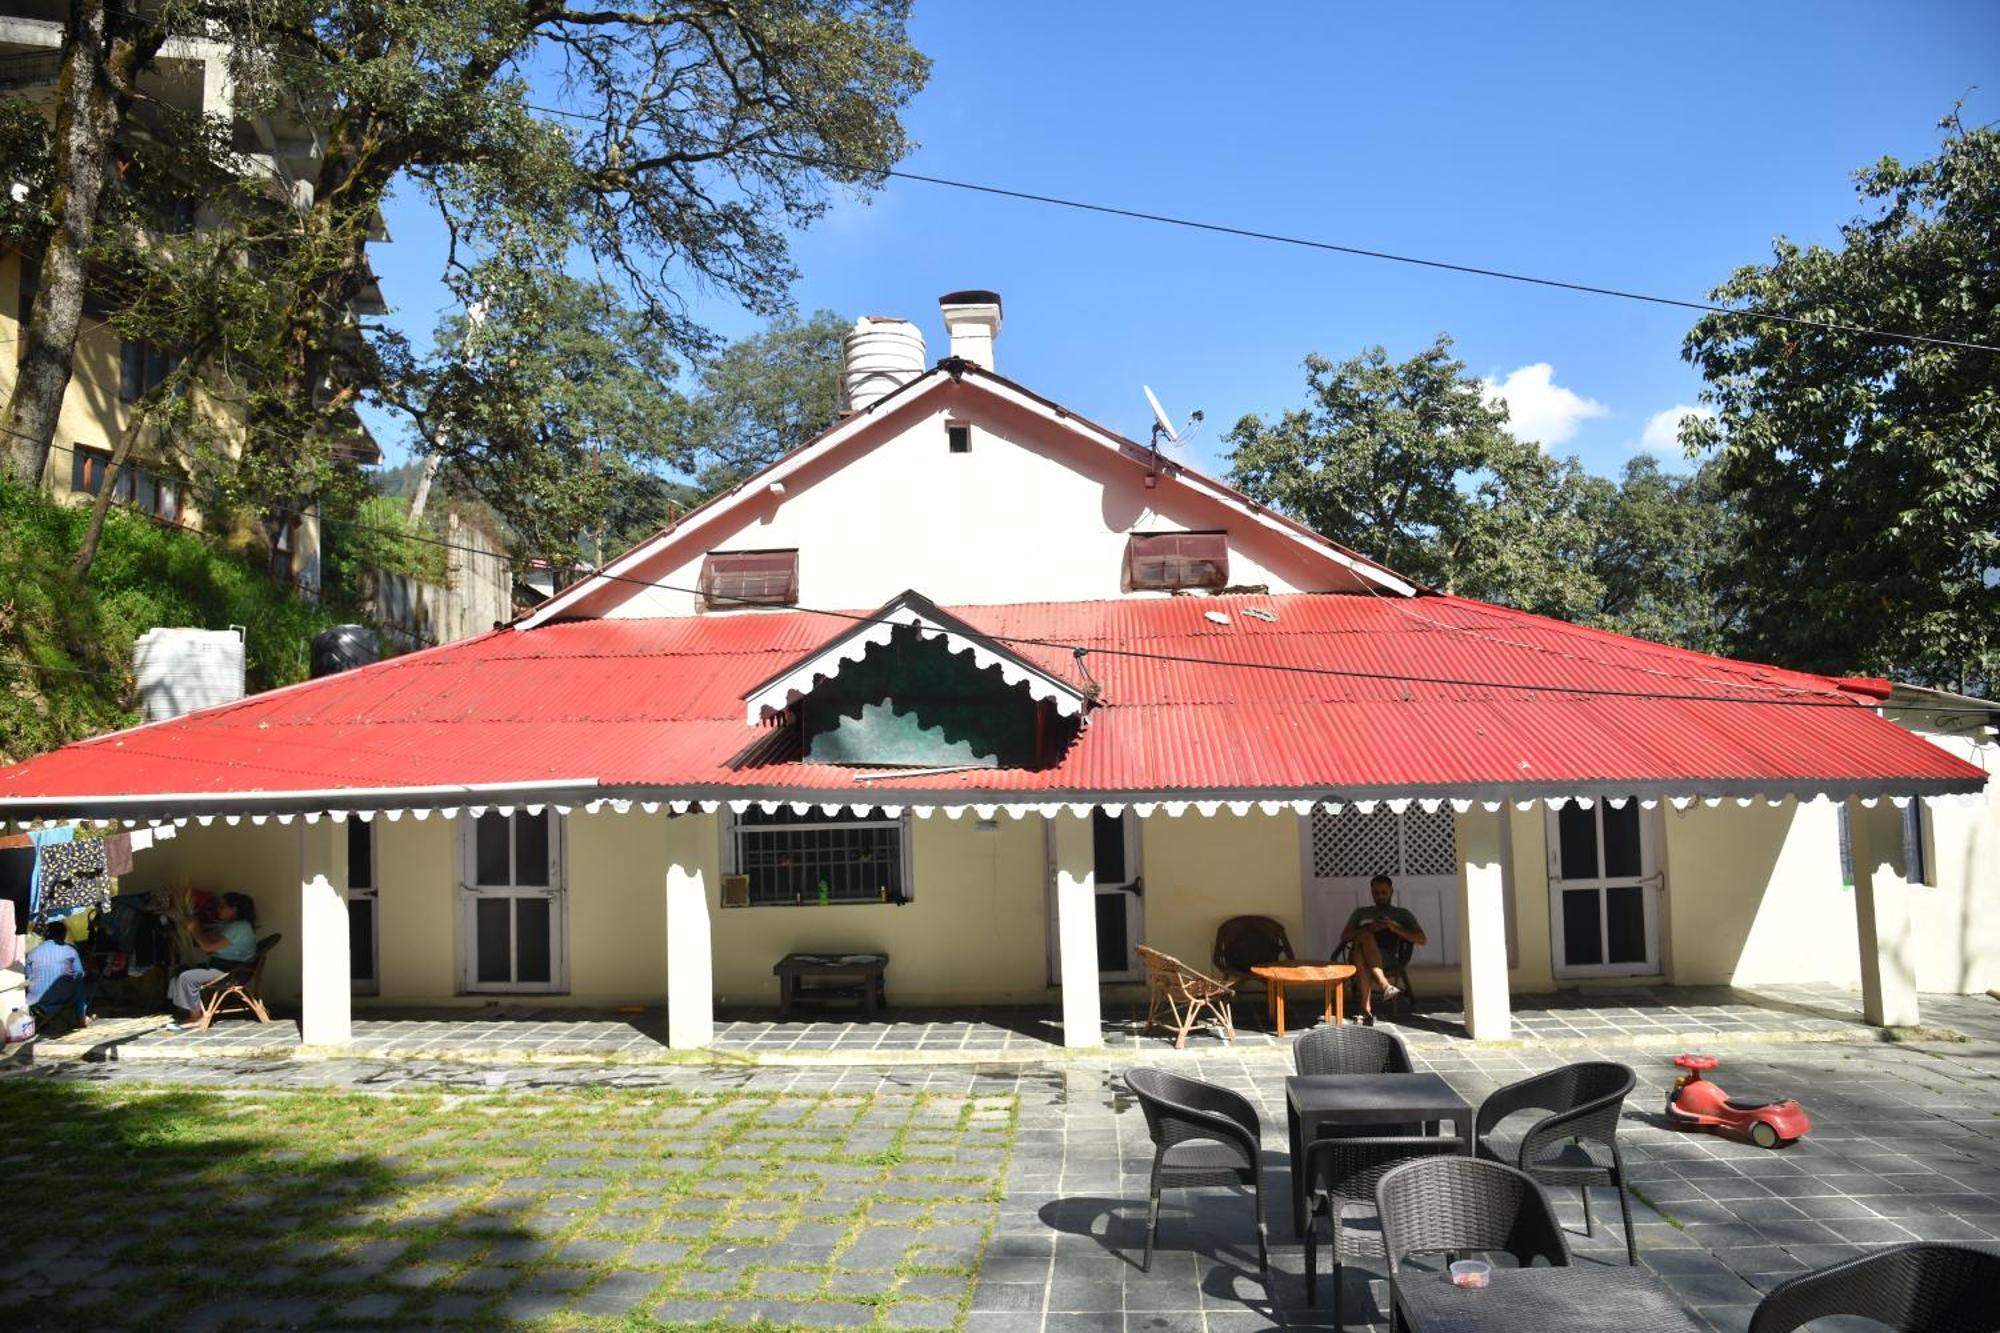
<point x="958" y="437"/>
<point x="749" y="578"/>
<point x="1160" y="561"/>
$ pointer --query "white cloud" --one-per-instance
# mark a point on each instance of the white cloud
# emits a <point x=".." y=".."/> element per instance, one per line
<point x="1538" y="408"/>
<point x="1662" y="435"/>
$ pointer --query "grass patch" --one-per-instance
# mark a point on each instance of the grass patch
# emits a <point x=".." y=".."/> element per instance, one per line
<point x="1665" y="1216"/>
<point x="611" y="1208"/>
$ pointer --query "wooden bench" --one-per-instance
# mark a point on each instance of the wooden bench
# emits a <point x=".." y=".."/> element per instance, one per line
<point x="847" y="976"/>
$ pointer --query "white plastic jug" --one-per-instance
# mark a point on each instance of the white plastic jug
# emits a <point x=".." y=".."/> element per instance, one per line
<point x="20" y="1025"/>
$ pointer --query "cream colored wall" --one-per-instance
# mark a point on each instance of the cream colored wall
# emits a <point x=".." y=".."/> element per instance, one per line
<point x="1201" y="871"/>
<point x="975" y="929"/>
<point x="1754" y="896"/>
<point x="617" y="908"/>
<point x="416" y="939"/>
<point x="260" y="861"/>
<point x="1017" y="519"/>
<point x="1956" y="918"/>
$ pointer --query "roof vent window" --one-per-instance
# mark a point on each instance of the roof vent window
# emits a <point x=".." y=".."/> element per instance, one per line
<point x="1164" y="561"/>
<point x="958" y="437"/>
<point x="749" y="578"/>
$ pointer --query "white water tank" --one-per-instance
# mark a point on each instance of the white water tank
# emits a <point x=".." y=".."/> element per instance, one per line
<point x="879" y="357"/>
<point x="180" y="670"/>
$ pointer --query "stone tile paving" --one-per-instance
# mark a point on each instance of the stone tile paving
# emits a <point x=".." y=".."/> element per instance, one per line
<point x="543" y="1034"/>
<point x="1906" y="1145"/>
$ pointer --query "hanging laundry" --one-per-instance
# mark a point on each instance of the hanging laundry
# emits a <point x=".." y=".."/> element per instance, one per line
<point x="43" y="838"/>
<point x="141" y="839"/>
<point x="10" y="943"/>
<point x="118" y="854"/>
<point x="71" y="875"/>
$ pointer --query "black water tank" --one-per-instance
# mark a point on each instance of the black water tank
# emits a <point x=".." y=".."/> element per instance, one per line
<point x="343" y="648"/>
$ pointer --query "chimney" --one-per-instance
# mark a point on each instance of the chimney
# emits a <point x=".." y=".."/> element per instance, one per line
<point x="973" y="321"/>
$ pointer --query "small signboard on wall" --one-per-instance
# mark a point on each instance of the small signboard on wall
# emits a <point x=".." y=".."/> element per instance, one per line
<point x="735" y="890"/>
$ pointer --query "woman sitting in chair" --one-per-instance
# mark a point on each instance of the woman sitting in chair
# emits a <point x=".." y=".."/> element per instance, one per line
<point x="229" y="943"/>
<point x="1363" y="927"/>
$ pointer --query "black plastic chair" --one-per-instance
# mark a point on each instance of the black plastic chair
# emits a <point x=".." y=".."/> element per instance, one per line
<point x="1339" y="1172"/>
<point x="1576" y="1144"/>
<point x="1348" y="1049"/>
<point x="1917" y="1288"/>
<point x="1202" y="1135"/>
<point x="1462" y="1205"/>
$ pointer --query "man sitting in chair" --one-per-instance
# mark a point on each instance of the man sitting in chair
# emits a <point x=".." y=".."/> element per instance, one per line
<point x="1363" y="928"/>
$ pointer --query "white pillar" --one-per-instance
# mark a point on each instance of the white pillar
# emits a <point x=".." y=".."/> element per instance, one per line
<point x="1075" y="856"/>
<point x="690" y="959"/>
<point x="1482" y="918"/>
<point x="1882" y="915"/>
<point x="326" y="983"/>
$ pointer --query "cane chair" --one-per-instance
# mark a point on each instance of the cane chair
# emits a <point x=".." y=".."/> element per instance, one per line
<point x="1184" y="997"/>
<point x="1918" y="1288"/>
<point x="240" y="990"/>
<point x="1202" y="1136"/>
<point x="1576" y="1143"/>
<point x="1344" y="1171"/>
<point x="1244" y="942"/>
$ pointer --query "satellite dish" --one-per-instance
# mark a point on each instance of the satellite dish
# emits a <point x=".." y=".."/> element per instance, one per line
<point x="1162" y="423"/>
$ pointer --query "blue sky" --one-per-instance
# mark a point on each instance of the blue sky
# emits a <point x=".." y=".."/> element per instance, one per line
<point x="1647" y="150"/>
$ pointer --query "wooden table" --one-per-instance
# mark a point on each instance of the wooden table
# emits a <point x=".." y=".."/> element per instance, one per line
<point x="1277" y="976"/>
<point x="1319" y="1105"/>
<point x="855" y="976"/>
<point x="1582" y="1296"/>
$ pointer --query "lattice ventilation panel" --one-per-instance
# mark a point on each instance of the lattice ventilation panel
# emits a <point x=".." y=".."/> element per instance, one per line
<point x="1351" y="845"/>
<point x="1430" y="842"/>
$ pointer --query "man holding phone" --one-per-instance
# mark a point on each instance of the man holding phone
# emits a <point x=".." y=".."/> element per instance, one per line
<point x="1364" y="928"/>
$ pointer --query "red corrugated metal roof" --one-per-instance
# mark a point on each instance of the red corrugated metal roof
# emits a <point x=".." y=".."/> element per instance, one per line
<point x="1337" y="695"/>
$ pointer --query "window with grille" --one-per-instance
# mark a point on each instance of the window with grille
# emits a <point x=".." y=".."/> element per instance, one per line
<point x="819" y="858"/>
<point x="749" y="578"/>
<point x="145" y="491"/>
<point x="1165" y="560"/>
<point x="1351" y="844"/>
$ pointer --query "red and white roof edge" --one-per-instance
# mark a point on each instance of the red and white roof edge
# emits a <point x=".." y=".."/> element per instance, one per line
<point x="1014" y="395"/>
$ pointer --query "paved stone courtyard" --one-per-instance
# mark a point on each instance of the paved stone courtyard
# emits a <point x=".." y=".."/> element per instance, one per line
<point x="1905" y="1145"/>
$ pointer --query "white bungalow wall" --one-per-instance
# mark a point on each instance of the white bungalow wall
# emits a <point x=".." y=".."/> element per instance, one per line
<point x="1032" y="513"/>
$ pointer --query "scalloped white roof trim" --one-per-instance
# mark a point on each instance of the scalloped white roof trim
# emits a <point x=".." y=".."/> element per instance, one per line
<point x="804" y="678"/>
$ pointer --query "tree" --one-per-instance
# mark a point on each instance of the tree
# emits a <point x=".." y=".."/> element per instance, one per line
<point x="1408" y="463"/>
<point x="55" y="209"/>
<point x="1866" y="469"/>
<point x="1662" y="542"/>
<point x="761" y="397"/>
<point x="561" y="399"/>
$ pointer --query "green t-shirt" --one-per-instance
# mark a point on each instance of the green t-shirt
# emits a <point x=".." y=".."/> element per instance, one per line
<point x="1401" y="916"/>
<point x="242" y="942"/>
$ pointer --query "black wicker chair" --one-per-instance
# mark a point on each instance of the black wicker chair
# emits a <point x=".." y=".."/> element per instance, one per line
<point x="1577" y="1142"/>
<point x="1202" y="1135"/>
<point x="1920" y="1288"/>
<point x="1461" y="1205"/>
<point x="1347" y="1049"/>
<point x="1396" y="953"/>
<point x="1339" y="1172"/>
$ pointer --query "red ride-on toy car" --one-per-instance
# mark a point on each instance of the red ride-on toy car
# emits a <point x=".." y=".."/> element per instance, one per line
<point x="1698" y="1104"/>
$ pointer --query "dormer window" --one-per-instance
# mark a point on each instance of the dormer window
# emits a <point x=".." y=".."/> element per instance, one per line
<point x="749" y="578"/>
<point x="1165" y="561"/>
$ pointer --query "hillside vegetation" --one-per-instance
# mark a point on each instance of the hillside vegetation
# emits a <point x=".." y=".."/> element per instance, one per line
<point x="66" y="651"/>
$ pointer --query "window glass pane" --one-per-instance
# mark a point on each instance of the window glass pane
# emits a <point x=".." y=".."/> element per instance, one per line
<point x="531" y="848"/>
<point x="1576" y="834"/>
<point x="1583" y="946"/>
<point x="1111" y="910"/>
<point x="492" y="920"/>
<point x="1625" y="923"/>
<point x="360" y="855"/>
<point x="534" y="939"/>
<point x="361" y="940"/>
<point x="1621" y="842"/>
<point x="490" y="862"/>
<point x="789" y="857"/>
<point x="1107" y="834"/>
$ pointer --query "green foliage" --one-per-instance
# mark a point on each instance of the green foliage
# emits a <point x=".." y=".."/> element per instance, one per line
<point x="1866" y="469"/>
<point x="377" y="535"/>
<point x="762" y="397"/>
<point x="146" y="575"/>
<point x="1408" y="463"/>
<point x="1662" y="541"/>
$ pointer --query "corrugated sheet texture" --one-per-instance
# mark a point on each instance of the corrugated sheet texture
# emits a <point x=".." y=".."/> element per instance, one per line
<point x="1335" y="693"/>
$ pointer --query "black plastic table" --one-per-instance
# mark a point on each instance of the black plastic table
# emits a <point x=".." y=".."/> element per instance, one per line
<point x="1587" y="1297"/>
<point x="1317" y="1104"/>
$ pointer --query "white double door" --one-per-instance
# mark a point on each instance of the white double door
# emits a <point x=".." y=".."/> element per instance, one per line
<point x="513" y="926"/>
<point x="1604" y="890"/>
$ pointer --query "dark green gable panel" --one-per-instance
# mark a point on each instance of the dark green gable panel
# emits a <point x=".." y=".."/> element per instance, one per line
<point x="916" y="703"/>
